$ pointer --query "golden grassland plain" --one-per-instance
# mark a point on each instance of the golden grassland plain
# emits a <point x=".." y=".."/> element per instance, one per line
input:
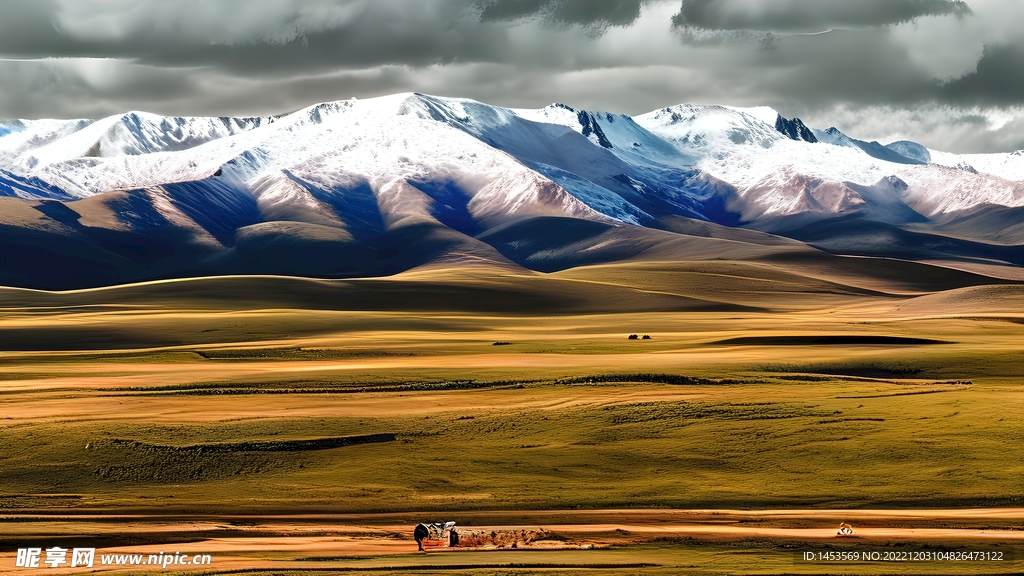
<point x="289" y="424"/>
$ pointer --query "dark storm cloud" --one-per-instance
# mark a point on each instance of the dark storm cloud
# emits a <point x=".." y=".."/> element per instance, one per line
<point x="808" y="15"/>
<point x="313" y="35"/>
<point x="273" y="34"/>
<point x="958" y="59"/>
<point x="999" y="79"/>
<point x="214" y="57"/>
<point x="27" y="28"/>
<point x="581" y="12"/>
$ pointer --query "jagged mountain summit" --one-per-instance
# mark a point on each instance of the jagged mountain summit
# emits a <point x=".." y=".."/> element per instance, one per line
<point x="377" y="186"/>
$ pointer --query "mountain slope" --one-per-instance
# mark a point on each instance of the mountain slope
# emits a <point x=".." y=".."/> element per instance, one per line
<point x="378" y="186"/>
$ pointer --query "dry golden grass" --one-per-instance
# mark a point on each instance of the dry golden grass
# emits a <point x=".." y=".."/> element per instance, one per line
<point x="765" y="385"/>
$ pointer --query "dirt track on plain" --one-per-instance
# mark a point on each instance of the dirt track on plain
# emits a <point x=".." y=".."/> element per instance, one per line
<point x="304" y="541"/>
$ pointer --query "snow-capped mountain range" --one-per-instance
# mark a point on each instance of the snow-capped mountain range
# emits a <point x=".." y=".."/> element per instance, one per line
<point x="357" y="172"/>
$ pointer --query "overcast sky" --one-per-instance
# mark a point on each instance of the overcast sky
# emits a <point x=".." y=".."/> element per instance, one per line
<point x="949" y="74"/>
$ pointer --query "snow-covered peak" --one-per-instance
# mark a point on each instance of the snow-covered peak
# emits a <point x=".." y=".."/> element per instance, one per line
<point x="42" y="143"/>
<point x="765" y="114"/>
<point x="699" y="129"/>
<point x="778" y="176"/>
<point x="586" y="123"/>
<point x="423" y="156"/>
<point x="618" y="133"/>
<point x="457" y="112"/>
<point x="9" y="126"/>
<point x="556" y="113"/>
<point x="911" y="150"/>
<point x="1008" y="166"/>
<point x="834" y="136"/>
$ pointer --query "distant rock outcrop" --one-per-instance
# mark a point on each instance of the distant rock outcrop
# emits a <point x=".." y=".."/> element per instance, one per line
<point x="794" y="129"/>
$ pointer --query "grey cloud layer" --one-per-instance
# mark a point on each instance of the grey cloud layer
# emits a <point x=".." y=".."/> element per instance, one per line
<point x="809" y="15"/>
<point x="93" y="57"/>
<point x="579" y="12"/>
